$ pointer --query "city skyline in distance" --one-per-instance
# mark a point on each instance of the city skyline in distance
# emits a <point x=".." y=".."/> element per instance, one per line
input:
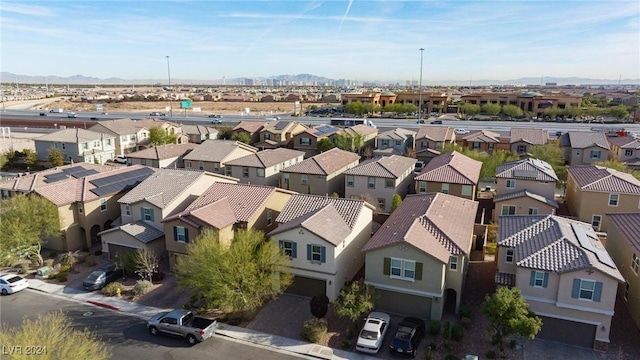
<point x="362" y="41"/>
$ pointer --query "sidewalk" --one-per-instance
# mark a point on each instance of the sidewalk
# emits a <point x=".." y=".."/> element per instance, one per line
<point x="235" y="332"/>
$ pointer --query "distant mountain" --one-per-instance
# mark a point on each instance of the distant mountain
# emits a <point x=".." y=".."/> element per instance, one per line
<point x="10" y="78"/>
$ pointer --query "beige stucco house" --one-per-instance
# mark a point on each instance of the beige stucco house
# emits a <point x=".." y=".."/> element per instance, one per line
<point x="77" y="145"/>
<point x="212" y="155"/>
<point x="197" y="134"/>
<point x="563" y="272"/>
<point x="169" y="127"/>
<point x="522" y="140"/>
<point x="396" y="141"/>
<point x="430" y="140"/>
<point x="418" y="264"/>
<point x="263" y="167"/>
<point x="162" y="156"/>
<point x="307" y="140"/>
<point x="483" y="140"/>
<point x="129" y="135"/>
<point x="584" y="147"/>
<point x="251" y="129"/>
<point x="450" y="173"/>
<point x="625" y="149"/>
<point x="367" y="134"/>
<point x="278" y="133"/>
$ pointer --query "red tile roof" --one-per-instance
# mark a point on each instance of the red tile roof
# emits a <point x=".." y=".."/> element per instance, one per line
<point x="325" y="163"/>
<point x="452" y="168"/>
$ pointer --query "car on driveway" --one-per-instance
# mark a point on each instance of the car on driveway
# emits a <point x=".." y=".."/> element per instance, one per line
<point x="11" y="284"/>
<point x="120" y="159"/>
<point x="99" y="278"/>
<point x="408" y="336"/>
<point x="373" y="332"/>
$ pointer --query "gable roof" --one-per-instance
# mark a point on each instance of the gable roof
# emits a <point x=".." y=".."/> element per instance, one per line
<point x="390" y="167"/>
<point x="250" y="126"/>
<point x="163" y="152"/>
<point x="303" y="204"/>
<point x="198" y="129"/>
<point x="525" y="193"/>
<point x="397" y="134"/>
<point x="281" y="126"/>
<point x="360" y="129"/>
<point x="586" y="139"/>
<point x="628" y="224"/>
<point x="553" y="243"/>
<point x="36" y="180"/>
<point x="266" y="158"/>
<point x="528" y="169"/>
<point x="149" y="123"/>
<point x="140" y="230"/>
<point x="483" y="136"/>
<point x="602" y="179"/>
<point x="217" y="150"/>
<point x="438" y="224"/>
<point x="326" y="222"/>
<point x="322" y="130"/>
<point x="324" y="163"/>
<point x="435" y="133"/>
<point x="453" y="168"/>
<point x="530" y="136"/>
<point x="76" y="135"/>
<point x="118" y="126"/>
<point x="625" y="142"/>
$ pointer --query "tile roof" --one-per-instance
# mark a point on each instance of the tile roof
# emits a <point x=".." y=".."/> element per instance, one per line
<point x="602" y="179"/>
<point x="553" y="243"/>
<point x="530" y="136"/>
<point x="162" y="152"/>
<point x="360" y="129"/>
<point x="250" y="126"/>
<point x="303" y="204"/>
<point x="435" y="133"/>
<point x="525" y="193"/>
<point x="322" y="130"/>
<point x="530" y="169"/>
<point x="36" y="180"/>
<point x="281" y="126"/>
<point x="217" y="150"/>
<point x="163" y="187"/>
<point x="625" y="142"/>
<point x="325" y="163"/>
<point x="483" y="136"/>
<point x="387" y="152"/>
<point x="217" y="213"/>
<point x="628" y="224"/>
<point x="390" y="167"/>
<point x="397" y="134"/>
<point x="326" y="222"/>
<point x="267" y="158"/>
<point x="453" y="168"/>
<point x="199" y="129"/>
<point x="438" y="224"/>
<point x="76" y="135"/>
<point x="149" y="123"/>
<point x="585" y="139"/>
<point x="140" y="230"/>
<point x="118" y="126"/>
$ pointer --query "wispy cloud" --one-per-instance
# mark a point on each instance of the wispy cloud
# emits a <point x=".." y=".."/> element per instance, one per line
<point x="23" y="9"/>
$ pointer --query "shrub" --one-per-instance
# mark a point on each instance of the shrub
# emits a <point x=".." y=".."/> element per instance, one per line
<point x="346" y="345"/>
<point x="465" y="311"/>
<point x="457" y="333"/>
<point x="446" y="332"/>
<point x="64" y="268"/>
<point x="157" y="277"/>
<point x="53" y="254"/>
<point x="62" y="276"/>
<point x="98" y="253"/>
<point x="466" y="323"/>
<point x="314" y="329"/>
<point x="434" y="328"/>
<point x="349" y="334"/>
<point x="48" y="262"/>
<point x="111" y="289"/>
<point x="24" y="267"/>
<point x="319" y="306"/>
<point x="491" y="354"/>
<point x="141" y="287"/>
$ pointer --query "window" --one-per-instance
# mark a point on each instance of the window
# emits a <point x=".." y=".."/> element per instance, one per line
<point x="424" y="145"/>
<point x="533" y="211"/>
<point x="350" y="180"/>
<point x="245" y="171"/>
<point x="595" y="154"/>
<point x="260" y="172"/>
<point x="389" y="183"/>
<point x="267" y="136"/>
<point x="475" y="145"/>
<point x="269" y="217"/>
<point x="511" y="184"/>
<point x="188" y="164"/>
<point x="587" y="289"/>
<point x="466" y="190"/>
<point x="127" y="209"/>
<point x="96" y="143"/>
<point x="595" y="221"/>
<point x="538" y="278"/>
<point x="143" y="162"/>
<point x="522" y="148"/>
<point x="303" y="179"/>
<point x="85" y="146"/>
<point x="155" y="163"/>
<point x="626" y="291"/>
<point x="147" y="214"/>
<point x="103" y="204"/>
<point x="508" y="210"/>
<point x="286" y="179"/>
<point x="305" y="141"/>
<point x="123" y="138"/>
<point x="635" y="263"/>
<point x="422" y="187"/>
<point x="5" y="194"/>
<point x="385" y="143"/>
<point x="382" y="203"/>
<point x="200" y="165"/>
<point x="216" y="167"/>
<point x="81" y="208"/>
<point x="577" y="152"/>
<point x="132" y="137"/>
<point x="445" y="188"/>
<point x="227" y="170"/>
<point x="371" y="183"/>
<point x="490" y="146"/>
<point x="181" y="234"/>
<point x="453" y="263"/>
<point x="613" y="199"/>
<point x="109" y="142"/>
<point x="509" y="256"/>
<point x="398" y="142"/>
<point x="403" y="269"/>
<point x="316" y="253"/>
<point x="628" y="152"/>
<point x="289" y="248"/>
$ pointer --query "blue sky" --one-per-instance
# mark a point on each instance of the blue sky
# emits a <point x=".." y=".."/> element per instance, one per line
<point x="357" y="40"/>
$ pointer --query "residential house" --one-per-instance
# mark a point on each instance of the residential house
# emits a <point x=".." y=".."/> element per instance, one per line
<point x="77" y="145"/>
<point x="224" y="207"/>
<point x="625" y="149"/>
<point x="593" y="191"/>
<point x="278" y="133"/>
<point x="523" y="139"/>
<point x="199" y="133"/>
<point x="563" y="272"/>
<point x="366" y="134"/>
<point x="379" y="179"/>
<point x="525" y="187"/>
<point x="142" y="209"/>
<point x="212" y="155"/>
<point x="483" y="140"/>
<point x="396" y="141"/>
<point x="584" y="147"/>
<point x="418" y="260"/>
<point x="251" y="128"/>
<point x="430" y="140"/>
<point x="169" y="127"/>
<point x="623" y="244"/>
<point x="323" y="237"/>
<point x="322" y="174"/>
<point x="263" y="167"/>
<point x="162" y="156"/>
<point x="88" y="204"/>
<point x="450" y="173"/>
<point x="307" y="140"/>
<point x="129" y="135"/>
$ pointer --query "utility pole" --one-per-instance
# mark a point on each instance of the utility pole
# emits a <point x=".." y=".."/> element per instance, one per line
<point x="420" y="87"/>
<point x="170" y="89"/>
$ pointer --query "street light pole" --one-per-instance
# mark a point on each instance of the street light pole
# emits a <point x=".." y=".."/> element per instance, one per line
<point x="170" y="89"/>
<point x="420" y="87"/>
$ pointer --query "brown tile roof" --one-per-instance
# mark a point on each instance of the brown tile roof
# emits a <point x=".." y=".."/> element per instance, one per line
<point x="625" y="142"/>
<point x="325" y="163"/>
<point x="553" y="243"/>
<point x="435" y="133"/>
<point x="360" y="129"/>
<point x="452" y="168"/>
<point x="326" y="222"/>
<point x="162" y="152"/>
<point x="36" y="180"/>
<point x="391" y="167"/>
<point x="438" y="224"/>
<point x="628" y="224"/>
<point x="586" y="139"/>
<point x="530" y="136"/>
<point x="281" y="126"/>
<point x="217" y="150"/>
<point x="218" y="214"/>
<point x="267" y="158"/>
<point x="199" y="129"/>
<point x="530" y="169"/>
<point x="483" y="136"/>
<point x="303" y="204"/>
<point x="602" y="179"/>
<point x="525" y="193"/>
<point x="140" y="230"/>
<point x="397" y="134"/>
<point x="153" y="122"/>
<point x="250" y="126"/>
<point x="119" y="126"/>
<point x="74" y="136"/>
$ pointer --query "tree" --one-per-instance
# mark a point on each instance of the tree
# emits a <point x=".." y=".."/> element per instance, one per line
<point x="30" y="158"/>
<point x="26" y="222"/>
<point x="242" y="137"/>
<point x="512" y="111"/>
<point x="56" y="157"/>
<point x="234" y="277"/>
<point x="349" y="143"/>
<point x="355" y="300"/>
<point x="508" y="314"/>
<point x="617" y="165"/>
<point x="396" y="200"/>
<point x="553" y="154"/>
<point x="225" y="132"/>
<point x="492" y="109"/>
<point x="70" y="259"/>
<point x="146" y="263"/>
<point x="159" y="136"/>
<point x="55" y="334"/>
<point x="470" y="110"/>
<point x="325" y="144"/>
<point x="619" y="112"/>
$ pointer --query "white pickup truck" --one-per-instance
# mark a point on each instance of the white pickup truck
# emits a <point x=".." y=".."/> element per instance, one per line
<point x="184" y="324"/>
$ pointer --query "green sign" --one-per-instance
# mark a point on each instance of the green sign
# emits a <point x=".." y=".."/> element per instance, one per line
<point x="186" y="104"/>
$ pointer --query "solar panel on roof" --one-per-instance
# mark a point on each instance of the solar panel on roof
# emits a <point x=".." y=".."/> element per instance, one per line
<point x="74" y="169"/>
<point x="119" y="182"/>
<point x="281" y="125"/>
<point x="527" y="174"/>
<point x="84" y="173"/>
<point x="55" y="177"/>
<point x="585" y="239"/>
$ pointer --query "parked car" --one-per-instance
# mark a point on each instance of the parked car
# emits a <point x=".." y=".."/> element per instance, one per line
<point x="373" y="332"/>
<point x="99" y="278"/>
<point x="184" y="324"/>
<point x="43" y="114"/>
<point x="72" y="115"/>
<point x="408" y="336"/>
<point x="436" y="122"/>
<point x="11" y="283"/>
<point x="461" y="131"/>
<point x="419" y="166"/>
<point x="120" y="159"/>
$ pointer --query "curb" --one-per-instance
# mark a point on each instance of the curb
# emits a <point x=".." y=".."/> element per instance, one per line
<point x="106" y="306"/>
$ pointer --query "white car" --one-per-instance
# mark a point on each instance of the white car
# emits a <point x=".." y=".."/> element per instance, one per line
<point x="372" y="333"/>
<point x="11" y="284"/>
<point x="462" y="131"/>
<point x="120" y="159"/>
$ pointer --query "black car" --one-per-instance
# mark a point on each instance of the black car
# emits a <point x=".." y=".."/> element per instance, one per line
<point x="436" y="122"/>
<point x="408" y="336"/>
<point x="99" y="278"/>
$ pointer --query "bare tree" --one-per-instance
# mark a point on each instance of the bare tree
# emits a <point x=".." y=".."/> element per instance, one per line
<point x="146" y="263"/>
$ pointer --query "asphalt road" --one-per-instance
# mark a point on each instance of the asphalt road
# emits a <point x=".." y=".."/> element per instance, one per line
<point x="127" y="335"/>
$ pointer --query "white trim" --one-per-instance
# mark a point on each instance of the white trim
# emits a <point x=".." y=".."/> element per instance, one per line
<point x="539" y="299"/>
<point x="567" y="306"/>
<point x="404" y="290"/>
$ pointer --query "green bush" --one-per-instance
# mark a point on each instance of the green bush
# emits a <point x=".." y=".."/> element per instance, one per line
<point x="62" y="276"/>
<point x="314" y="329"/>
<point x="466" y="323"/>
<point x="465" y="311"/>
<point x="491" y="354"/>
<point x="434" y="328"/>
<point x="64" y="268"/>
<point x="457" y="333"/>
<point x="141" y="287"/>
<point x="48" y="262"/>
<point x="346" y="345"/>
<point x="446" y="332"/>
<point x="111" y="289"/>
<point x="24" y="267"/>
<point x="349" y="334"/>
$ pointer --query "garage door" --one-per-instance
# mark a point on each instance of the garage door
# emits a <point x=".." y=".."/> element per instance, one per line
<point x="568" y="332"/>
<point x="307" y="286"/>
<point x="119" y="249"/>
<point x="403" y="304"/>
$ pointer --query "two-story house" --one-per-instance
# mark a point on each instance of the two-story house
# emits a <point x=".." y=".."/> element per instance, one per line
<point x="525" y="187"/>
<point x="169" y="127"/>
<point x="322" y="174"/>
<point x="128" y="134"/>
<point x="379" y="179"/>
<point x="263" y="167"/>
<point x="563" y="272"/>
<point x="366" y="134"/>
<point x="593" y="191"/>
<point x="584" y="147"/>
<point x="162" y="156"/>
<point x="396" y="141"/>
<point x="482" y="140"/>
<point x="418" y="265"/>
<point x="450" y="173"/>
<point x="323" y="237"/>
<point x="212" y="155"/>
<point x="278" y="133"/>
<point x="251" y="129"/>
<point x="77" y="145"/>
<point x="142" y="209"/>
<point x="523" y="139"/>
<point x="625" y="149"/>
<point x="197" y="134"/>
<point x="224" y="208"/>
<point x="430" y="140"/>
<point x="307" y="140"/>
